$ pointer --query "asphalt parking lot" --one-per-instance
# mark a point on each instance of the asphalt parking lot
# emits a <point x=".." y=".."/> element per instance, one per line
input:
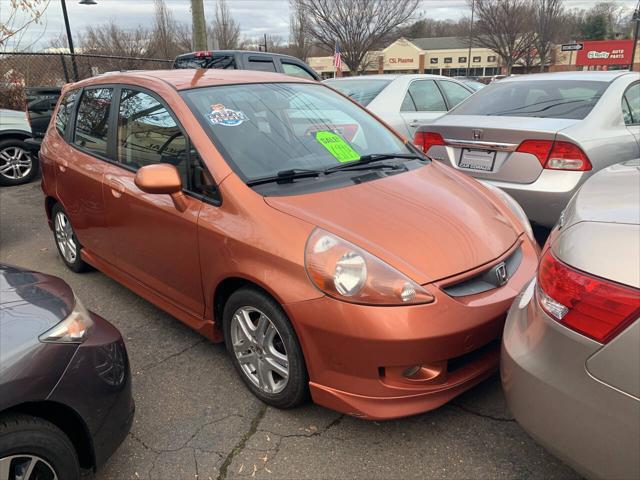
<point x="196" y="420"/>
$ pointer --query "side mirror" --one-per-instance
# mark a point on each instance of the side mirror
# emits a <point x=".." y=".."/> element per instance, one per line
<point x="162" y="178"/>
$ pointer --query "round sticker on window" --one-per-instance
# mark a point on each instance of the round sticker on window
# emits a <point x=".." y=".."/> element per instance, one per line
<point x="221" y="115"/>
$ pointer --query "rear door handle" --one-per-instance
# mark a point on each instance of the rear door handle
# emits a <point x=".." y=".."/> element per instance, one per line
<point x="117" y="188"/>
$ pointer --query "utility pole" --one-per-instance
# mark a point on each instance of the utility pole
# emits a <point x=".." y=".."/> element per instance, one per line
<point x="198" y="25"/>
<point x="473" y="7"/>
<point x="636" y="24"/>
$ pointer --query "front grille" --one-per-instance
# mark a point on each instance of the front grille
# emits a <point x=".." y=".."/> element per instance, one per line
<point x="484" y="281"/>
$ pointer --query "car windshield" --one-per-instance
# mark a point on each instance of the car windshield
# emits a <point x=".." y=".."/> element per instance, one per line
<point x="571" y="99"/>
<point x="362" y="91"/>
<point x="265" y="129"/>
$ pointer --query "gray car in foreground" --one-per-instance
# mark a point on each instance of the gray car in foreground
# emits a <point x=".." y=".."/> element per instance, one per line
<point x="539" y="137"/>
<point x="570" y="362"/>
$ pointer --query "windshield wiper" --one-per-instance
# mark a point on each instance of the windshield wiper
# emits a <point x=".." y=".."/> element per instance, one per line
<point x="286" y="176"/>
<point x="374" y="157"/>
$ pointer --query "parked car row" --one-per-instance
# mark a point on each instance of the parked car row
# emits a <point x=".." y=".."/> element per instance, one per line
<point x="341" y="260"/>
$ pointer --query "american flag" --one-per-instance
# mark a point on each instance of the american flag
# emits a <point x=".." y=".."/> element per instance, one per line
<point x="337" y="58"/>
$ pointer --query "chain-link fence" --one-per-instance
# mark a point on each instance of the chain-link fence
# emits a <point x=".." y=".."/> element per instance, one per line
<point x="23" y="70"/>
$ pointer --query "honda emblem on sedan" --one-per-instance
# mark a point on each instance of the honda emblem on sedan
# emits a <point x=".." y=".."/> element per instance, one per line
<point x="477" y="134"/>
<point x="501" y="274"/>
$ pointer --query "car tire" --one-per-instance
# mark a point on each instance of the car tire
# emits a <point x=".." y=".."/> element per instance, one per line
<point x="16" y="149"/>
<point x="26" y="440"/>
<point x="279" y="342"/>
<point x="67" y="243"/>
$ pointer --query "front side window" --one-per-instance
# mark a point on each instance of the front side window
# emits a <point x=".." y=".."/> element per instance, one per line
<point x="261" y="65"/>
<point x="92" y="121"/>
<point x="296" y="71"/>
<point x="148" y="134"/>
<point x="571" y="99"/>
<point x="454" y="92"/>
<point x="426" y="96"/>
<point x="263" y="129"/>
<point x="632" y="100"/>
<point x="64" y="110"/>
<point x="362" y="91"/>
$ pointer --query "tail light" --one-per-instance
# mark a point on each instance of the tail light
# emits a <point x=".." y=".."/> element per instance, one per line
<point x="556" y="155"/>
<point x="207" y="53"/>
<point x="426" y="140"/>
<point x="592" y="306"/>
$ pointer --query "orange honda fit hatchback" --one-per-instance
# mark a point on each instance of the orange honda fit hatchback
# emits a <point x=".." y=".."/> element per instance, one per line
<point x="277" y="215"/>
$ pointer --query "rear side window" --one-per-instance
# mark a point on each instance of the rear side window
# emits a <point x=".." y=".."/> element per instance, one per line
<point x="296" y="71"/>
<point x="148" y="134"/>
<point x="571" y="99"/>
<point x="362" y="91"/>
<point x="262" y="65"/>
<point x="455" y="93"/>
<point x="92" y="121"/>
<point x="426" y="97"/>
<point x="631" y="105"/>
<point x="64" y="111"/>
<point x="206" y="61"/>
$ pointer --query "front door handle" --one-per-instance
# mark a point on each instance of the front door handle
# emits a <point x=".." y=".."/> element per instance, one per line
<point x="117" y="188"/>
<point x="62" y="164"/>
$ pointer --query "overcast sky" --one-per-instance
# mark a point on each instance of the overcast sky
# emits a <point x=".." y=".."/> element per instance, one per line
<point x="255" y="16"/>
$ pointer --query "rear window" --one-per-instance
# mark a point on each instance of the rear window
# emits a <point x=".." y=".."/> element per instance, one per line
<point x="362" y="91"/>
<point x="216" y="61"/>
<point x="569" y="99"/>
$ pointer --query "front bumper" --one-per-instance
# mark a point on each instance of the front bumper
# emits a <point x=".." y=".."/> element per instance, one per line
<point x="97" y="385"/>
<point x="589" y="425"/>
<point x="356" y="354"/>
<point x="544" y="199"/>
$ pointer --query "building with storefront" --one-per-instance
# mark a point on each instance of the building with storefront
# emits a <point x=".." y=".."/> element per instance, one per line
<point x="450" y="56"/>
<point x="443" y="56"/>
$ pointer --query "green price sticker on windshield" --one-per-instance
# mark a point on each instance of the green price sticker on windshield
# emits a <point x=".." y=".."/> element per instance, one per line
<point x="337" y="147"/>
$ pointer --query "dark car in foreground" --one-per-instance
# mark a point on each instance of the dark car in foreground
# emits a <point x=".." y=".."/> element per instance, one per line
<point x="247" y="60"/>
<point x="65" y="385"/>
<point x="571" y="345"/>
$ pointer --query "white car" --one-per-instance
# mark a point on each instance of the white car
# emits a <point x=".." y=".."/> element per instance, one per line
<point x="16" y="162"/>
<point x="404" y="101"/>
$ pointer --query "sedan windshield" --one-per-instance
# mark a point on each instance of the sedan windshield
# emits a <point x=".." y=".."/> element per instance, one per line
<point x="362" y="91"/>
<point x="571" y="99"/>
<point x="265" y="129"/>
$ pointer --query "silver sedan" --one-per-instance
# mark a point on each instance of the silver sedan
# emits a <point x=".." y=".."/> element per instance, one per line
<point x="570" y="362"/>
<point x="404" y="101"/>
<point x="539" y="137"/>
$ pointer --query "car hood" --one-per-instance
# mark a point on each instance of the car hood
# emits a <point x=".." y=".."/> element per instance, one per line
<point x="429" y="223"/>
<point x="32" y="302"/>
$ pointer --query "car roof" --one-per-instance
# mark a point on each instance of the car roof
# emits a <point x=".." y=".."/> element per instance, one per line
<point x="182" y="79"/>
<point x="233" y="52"/>
<point x="607" y="76"/>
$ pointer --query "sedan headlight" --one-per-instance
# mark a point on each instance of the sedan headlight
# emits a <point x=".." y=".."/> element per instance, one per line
<point x="73" y="329"/>
<point x="344" y="271"/>
<point x="514" y="206"/>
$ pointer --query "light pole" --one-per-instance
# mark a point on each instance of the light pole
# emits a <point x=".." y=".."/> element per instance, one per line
<point x="69" y="37"/>
<point x="473" y="7"/>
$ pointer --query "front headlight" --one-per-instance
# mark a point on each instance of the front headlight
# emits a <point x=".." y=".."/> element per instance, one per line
<point x="73" y="329"/>
<point x="514" y="206"/>
<point x="344" y="271"/>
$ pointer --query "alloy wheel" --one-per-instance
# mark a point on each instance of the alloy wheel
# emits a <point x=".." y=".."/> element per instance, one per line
<point x="26" y="467"/>
<point x="64" y="238"/>
<point x="259" y="348"/>
<point x="15" y="163"/>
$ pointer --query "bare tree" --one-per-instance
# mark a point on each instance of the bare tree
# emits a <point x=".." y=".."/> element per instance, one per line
<point x="299" y="41"/>
<point x="226" y="30"/>
<point x="165" y="31"/>
<point x="20" y="14"/>
<point x="110" y="39"/>
<point x="506" y="27"/>
<point x="358" y="26"/>
<point x="548" y="23"/>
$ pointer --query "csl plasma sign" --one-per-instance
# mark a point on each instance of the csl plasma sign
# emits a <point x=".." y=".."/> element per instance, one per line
<point x="606" y="52"/>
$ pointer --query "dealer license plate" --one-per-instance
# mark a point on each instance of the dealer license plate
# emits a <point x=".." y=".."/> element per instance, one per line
<point x="477" y="159"/>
